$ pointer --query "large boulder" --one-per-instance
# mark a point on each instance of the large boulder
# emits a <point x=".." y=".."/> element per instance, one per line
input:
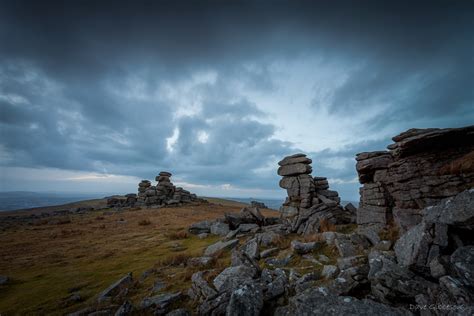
<point x="317" y="301"/>
<point x="294" y="169"/>
<point x="200" y="227"/>
<point x="246" y="300"/>
<point x="462" y="261"/>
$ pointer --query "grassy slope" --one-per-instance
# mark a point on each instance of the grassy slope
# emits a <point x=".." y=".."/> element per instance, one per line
<point x="48" y="261"/>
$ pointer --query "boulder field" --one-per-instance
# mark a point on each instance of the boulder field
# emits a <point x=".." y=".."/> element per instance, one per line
<point x="407" y="250"/>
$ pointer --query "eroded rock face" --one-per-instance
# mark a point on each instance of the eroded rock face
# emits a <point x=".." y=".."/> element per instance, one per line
<point x="422" y="167"/>
<point x="309" y="200"/>
<point x="163" y="193"/>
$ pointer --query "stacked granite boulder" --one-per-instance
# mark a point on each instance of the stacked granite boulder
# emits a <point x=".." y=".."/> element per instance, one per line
<point x="422" y="167"/>
<point x="309" y="199"/>
<point x="163" y="193"/>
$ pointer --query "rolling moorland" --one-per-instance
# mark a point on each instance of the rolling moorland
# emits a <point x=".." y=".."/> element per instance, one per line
<point x="407" y="249"/>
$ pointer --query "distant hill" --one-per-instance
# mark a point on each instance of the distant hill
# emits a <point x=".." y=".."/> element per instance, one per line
<point x="15" y="200"/>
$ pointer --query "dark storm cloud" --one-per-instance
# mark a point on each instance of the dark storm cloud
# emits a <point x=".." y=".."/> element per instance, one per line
<point x="87" y="73"/>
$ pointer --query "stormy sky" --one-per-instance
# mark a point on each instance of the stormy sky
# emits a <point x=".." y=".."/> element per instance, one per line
<point x="96" y="96"/>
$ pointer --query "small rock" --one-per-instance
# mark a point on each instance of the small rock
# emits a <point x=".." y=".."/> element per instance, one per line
<point x="463" y="263"/>
<point x="329" y="271"/>
<point x="200" y="227"/>
<point x="323" y="259"/>
<point x="233" y="272"/>
<point x="116" y="288"/>
<point x="203" y="235"/>
<point x="220" y="229"/>
<point x="199" y="261"/>
<point x="125" y="310"/>
<point x="303" y="248"/>
<point x="220" y="246"/>
<point x="251" y="249"/>
<point x="179" y="312"/>
<point x="384" y="245"/>
<point x="437" y="269"/>
<point x="161" y="301"/>
<point x="329" y="237"/>
<point x="245" y="228"/>
<point x="269" y="252"/>
<point x="247" y="299"/>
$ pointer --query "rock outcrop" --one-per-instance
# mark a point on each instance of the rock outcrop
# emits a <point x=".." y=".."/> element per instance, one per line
<point x="163" y="193"/>
<point x="422" y="167"/>
<point x="309" y="202"/>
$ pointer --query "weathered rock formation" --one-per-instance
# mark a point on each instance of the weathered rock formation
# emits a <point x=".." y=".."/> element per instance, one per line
<point x="309" y="199"/>
<point x="422" y="167"/>
<point x="163" y="193"/>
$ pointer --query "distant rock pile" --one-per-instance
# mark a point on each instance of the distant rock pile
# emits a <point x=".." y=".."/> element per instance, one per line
<point x="422" y="167"/>
<point x="163" y="193"/>
<point x="309" y="199"/>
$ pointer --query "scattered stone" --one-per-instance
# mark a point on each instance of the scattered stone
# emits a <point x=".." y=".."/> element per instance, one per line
<point x="116" y="288"/>
<point x="179" y="312"/>
<point x="384" y="245"/>
<point x="202" y="235"/>
<point x="269" y="252"/>
<point x="302" y="248"/>
<point x="316" y="301"/>
<point x="201" y="290"/>
<point x="236" y="272"/>
<point x="220" y="246"/>
<point x="245" y="228"/>
<point x="161" y="301"/>
<point x="329" y="271"/>
<point x="125" y="309"/>
<point x="251" y="249"/>
<point x="200" y="227"/>
<point x="462" y="261"/>
<point x="220" y="229"/>
<point x="247" y="299"/>
<point x="199" y="261"/>
<point x="437" y="269"/>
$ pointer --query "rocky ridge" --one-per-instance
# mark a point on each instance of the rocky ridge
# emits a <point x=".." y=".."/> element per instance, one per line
<point x="421" y="168"/>
<point x="314" y="260"/>
<point x="161" y="194"/>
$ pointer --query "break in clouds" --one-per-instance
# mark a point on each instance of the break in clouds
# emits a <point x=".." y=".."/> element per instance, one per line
<point x="94" y="96"/>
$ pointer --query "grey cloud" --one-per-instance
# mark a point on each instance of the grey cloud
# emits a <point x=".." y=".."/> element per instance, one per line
<point x="71" y="62"/>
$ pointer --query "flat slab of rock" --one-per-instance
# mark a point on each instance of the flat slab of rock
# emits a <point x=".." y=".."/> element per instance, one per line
<point x="161" y="301"/>
<point x="247" y="299"/>
<point x="200" y="227"/>
<point x="302" y="248"/>
<point x="316" y="301"/>
<point x="241" y="271"/>
<point x="294" y="170"/>
<point x="199" y="261"/>
<point x="116" y="288"/>
<point x="220" y="229"/>
<point x="291" y="160"/>
<point x="463" y="263"/>
<point x="220" y="246"/>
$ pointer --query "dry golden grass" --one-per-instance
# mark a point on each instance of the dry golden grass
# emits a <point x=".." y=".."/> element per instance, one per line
<point x="326" y="226"/>
<point x="86" y="253"/>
